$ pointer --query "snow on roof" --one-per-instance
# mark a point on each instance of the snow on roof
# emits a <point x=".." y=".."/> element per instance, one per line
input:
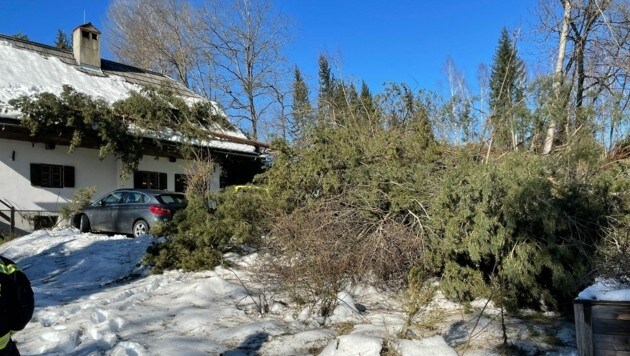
<point x="29" y="68"/>
<point x="28" y="73"/>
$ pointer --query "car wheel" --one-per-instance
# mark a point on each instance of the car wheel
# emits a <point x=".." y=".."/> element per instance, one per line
<point x="84" y="224"/>
<point x="140" y="228"/>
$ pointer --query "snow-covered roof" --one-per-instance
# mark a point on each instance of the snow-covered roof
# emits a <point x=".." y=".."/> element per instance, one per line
<point x="30" y="68"/>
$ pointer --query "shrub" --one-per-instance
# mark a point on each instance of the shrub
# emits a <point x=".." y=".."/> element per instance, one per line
<point x="613" y="252"/>
<point x="197" y="237"/>
<point x="352" y="201"/>
<point x="318" y="250"/>
<point x="510" y="231"/>
<point x="81" y="198"/>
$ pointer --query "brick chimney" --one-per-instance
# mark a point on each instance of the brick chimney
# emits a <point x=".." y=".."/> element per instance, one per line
<point x="86" y="45"/>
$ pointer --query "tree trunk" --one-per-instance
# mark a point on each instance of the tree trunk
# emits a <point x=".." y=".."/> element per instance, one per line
<point x="551" y="131"/>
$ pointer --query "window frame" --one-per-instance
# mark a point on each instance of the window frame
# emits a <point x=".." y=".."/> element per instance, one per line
<point x="47" y="175"/>
<point x="150" y="180"/>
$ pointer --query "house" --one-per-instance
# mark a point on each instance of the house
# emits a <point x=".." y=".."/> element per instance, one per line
<point x="38" y="174"/>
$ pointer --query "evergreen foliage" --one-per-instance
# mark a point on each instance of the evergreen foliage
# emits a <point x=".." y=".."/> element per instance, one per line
<point x="326" y="96"/>
<point x="367" y="101"/>
<point x="353" y="201"/>
<point x="302" y="111"/>
<point x="519" y="229"/>
<point x="81" y="198"/>
<point x="63" y="41"/>
<point x="118" y="129"/>
<point x="510" y="232"/>
<point x="507" y="85"/>
<point x="614" y="251"/>
<point x="198" y="236"/>
<point x="22" y="36"/>
<point x="84" y="116"/>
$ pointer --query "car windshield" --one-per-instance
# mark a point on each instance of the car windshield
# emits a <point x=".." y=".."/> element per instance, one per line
<point x="170" y="199"/>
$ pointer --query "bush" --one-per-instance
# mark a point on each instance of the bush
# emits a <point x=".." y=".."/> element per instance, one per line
<point x="197" y="237"/>
<point x="352" y="203"/>
<point x="80" y="200"/>
<point x="318" y="250"/>
<point x="510" y="231"/>
<point x="613" y="252"/>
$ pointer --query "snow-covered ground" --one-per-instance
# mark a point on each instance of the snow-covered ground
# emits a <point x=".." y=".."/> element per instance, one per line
<point x="93" y="297"/>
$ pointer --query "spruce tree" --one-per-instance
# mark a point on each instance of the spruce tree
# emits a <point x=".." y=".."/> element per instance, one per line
<point x="302" y="110"/>
<point x="506" y="93"/>
<point x="367" y="101"/>
<point x="341" y="103"/>
<point x="63" y="41"/>
<point x="326" y="95"/>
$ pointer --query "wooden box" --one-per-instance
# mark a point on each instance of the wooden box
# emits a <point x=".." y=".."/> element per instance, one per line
<point x="602" y="327"/>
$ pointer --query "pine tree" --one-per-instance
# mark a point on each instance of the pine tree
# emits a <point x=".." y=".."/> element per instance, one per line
<point x="506" y="93"/>
<point x="63" y="41"/>
<point x="302" y="110"/>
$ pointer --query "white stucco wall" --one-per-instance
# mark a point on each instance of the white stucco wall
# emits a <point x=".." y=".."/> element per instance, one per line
<point x="162" y="164"/>
<point x="104" y="175"/>
<point x="15" y="182"/>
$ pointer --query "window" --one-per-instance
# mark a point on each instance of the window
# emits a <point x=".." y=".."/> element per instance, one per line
<point x="181" y="183"/>
<point x="136" y="198"/>
<point x="113" y="198"/>
<point x="52" y="175"/>
<point x="149" y="180"/>
<point x="169" y="199"/>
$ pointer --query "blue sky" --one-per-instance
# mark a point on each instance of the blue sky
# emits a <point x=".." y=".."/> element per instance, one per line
<point x="376" y="41"/>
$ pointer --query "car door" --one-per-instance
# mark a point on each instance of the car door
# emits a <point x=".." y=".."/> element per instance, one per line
<point x="102" y="214"/>
<point x="129" y="210"/>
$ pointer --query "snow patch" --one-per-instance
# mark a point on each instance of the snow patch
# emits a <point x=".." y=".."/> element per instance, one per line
<point x="606" y="290"/>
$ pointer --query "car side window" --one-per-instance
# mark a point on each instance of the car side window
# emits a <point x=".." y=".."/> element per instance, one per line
<point x="113" y="198"/>
<point x="171" y="198"/>
<point x="135" y="198"/>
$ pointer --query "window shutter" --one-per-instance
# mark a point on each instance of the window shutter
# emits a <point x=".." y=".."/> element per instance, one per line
<point x="137" y="180"/>
<point x="36" y="174"/>
<point x="68" y="176"/>
<point x="162" y="182"/>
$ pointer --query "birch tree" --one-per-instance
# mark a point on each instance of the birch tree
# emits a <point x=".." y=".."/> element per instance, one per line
<point x="558" y="72"/>
<point x="158" y="35"/>
<point x="243" y="40"/>
<point x="591" y="66"/>
<point x="225" y="50"/>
